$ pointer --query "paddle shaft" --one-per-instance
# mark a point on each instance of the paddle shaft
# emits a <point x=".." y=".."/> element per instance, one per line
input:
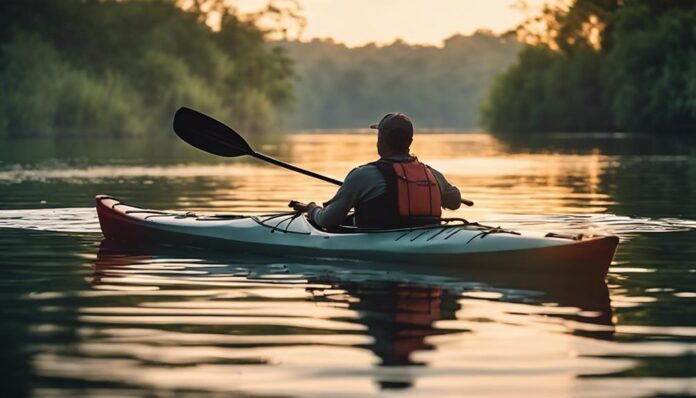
<point x="288" y="166"/>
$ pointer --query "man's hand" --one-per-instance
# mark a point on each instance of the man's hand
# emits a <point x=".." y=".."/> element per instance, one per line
<point x="302" y="207"/>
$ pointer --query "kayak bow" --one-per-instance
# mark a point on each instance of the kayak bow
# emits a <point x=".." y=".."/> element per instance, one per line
<point x="454" y="244"/>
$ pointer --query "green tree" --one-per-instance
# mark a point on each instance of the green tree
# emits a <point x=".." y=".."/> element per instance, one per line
<point x="649" y="73"/>
<point x="601" y="65"/>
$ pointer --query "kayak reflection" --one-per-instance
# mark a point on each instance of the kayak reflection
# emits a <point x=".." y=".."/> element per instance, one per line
<point x="400" y="313"/>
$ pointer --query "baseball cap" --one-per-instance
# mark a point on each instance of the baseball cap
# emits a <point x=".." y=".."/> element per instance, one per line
<point x="397" y="129"/>
<point x="394" y="121"/>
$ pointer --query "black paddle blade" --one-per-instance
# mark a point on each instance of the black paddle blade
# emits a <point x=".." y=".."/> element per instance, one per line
<point x="207" y="134"/>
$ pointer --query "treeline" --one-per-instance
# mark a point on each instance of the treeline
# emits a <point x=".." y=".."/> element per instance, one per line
<point x="602" y="65"/>
<point x="118" y="68"/>
<point x="340" y="87"/>
<point x="72" y="67"/>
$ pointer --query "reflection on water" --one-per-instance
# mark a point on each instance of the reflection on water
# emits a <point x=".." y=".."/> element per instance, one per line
<point x="478" y="163"/>
<point x="214" y="320"/>
<point x="87" y="318"/>
<point x="490" y="173"/>
<point x="171" y="320"/>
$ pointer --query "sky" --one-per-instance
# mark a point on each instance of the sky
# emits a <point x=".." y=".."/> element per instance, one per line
<point x="358" y="22"/>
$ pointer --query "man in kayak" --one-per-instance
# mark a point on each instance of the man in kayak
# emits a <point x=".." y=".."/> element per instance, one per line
<point x="395" y="191"/>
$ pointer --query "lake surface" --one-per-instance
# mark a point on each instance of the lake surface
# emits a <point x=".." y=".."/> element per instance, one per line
<point x="81" y="317"/>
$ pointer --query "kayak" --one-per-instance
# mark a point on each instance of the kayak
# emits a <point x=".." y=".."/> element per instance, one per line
<point x="452" y="243"/>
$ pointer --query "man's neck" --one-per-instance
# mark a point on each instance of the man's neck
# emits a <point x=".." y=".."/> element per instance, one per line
<point x="397" y="156"/>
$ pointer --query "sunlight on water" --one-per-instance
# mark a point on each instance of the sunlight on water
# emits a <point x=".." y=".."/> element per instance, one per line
<point x="557" y="189"/>
<point x="476" y="163"/>
<point x="98" y="319"/>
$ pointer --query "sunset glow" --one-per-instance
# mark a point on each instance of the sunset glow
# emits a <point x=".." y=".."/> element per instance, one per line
<point x="358" y="22"/>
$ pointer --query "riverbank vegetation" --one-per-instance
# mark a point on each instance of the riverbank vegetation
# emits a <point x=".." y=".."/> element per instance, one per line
<point x="70" y="67"/>
<point x="601" y="65"/>
<point x="121" y="68"/>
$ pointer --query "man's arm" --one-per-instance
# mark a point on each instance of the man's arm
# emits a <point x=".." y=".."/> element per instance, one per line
<point x="335" y="210"/>
<point x="451" y="197"/>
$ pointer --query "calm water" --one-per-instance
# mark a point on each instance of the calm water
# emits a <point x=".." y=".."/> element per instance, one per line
<point x="85" y="318"/>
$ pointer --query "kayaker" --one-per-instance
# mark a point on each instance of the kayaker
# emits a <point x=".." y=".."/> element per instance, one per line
<point x="395" y="191"/>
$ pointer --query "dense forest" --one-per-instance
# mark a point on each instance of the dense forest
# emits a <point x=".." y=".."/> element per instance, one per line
<point x="117" y="68"/>
<point x="602" y="65"/>
<point x="72" y="67"/>
<point x="438" y="87"/>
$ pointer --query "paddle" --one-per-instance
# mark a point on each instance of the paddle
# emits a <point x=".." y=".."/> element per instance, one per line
<point x="210" y="135"/>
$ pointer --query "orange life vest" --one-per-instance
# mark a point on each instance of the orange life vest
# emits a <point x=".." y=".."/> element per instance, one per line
<point x="418" y="194"/>
<point x="412" y="197"/>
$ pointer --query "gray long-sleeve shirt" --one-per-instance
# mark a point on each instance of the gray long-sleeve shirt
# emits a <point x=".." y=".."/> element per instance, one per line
<point x="365" y="183"/>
